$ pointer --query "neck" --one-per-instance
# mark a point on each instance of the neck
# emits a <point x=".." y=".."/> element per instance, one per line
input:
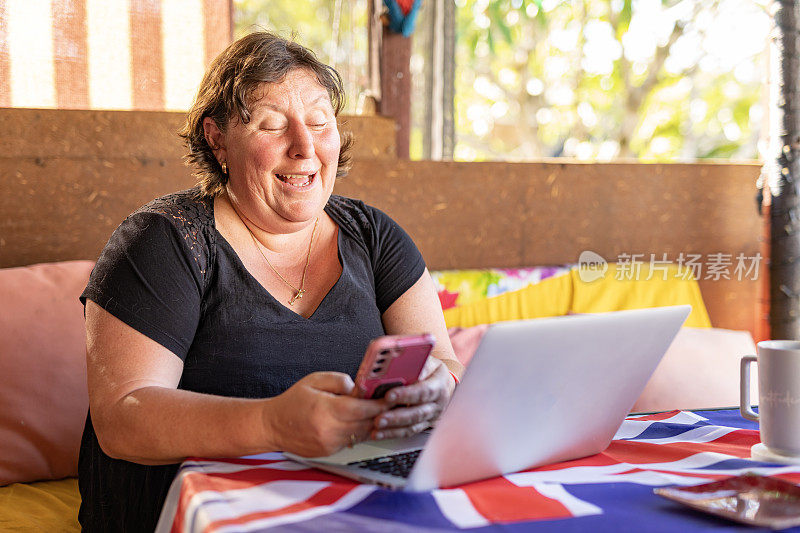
<point x="278" y="242"/>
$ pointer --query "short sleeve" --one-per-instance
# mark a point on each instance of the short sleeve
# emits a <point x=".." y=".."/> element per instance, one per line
<point x="396" y="260"/>
<point x="149" y="277"/>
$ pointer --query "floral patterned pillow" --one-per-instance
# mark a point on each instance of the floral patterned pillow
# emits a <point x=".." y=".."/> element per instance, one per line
<point x="464" y="287"/>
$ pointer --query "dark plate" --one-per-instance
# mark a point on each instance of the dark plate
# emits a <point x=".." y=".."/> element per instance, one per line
<point x="749" y="499"/>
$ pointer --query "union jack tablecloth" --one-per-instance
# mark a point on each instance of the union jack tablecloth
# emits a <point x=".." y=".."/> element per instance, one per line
<point x="611" y="491"/>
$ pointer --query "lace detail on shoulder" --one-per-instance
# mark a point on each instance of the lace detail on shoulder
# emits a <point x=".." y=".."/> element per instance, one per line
<point x="194" y="218"/>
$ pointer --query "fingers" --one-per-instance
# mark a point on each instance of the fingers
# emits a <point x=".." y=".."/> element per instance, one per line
<point x="333" y="382"/>
<point x="398" y="433"/>
<point x="431" y="389"/>
<point x="419" y="404"/>
<point x="407" y="416"/>
<point x="348" y="409"/>
<point x="422" y="392"/>
<point x="336" y="388"/>
<point x="324" y="441"/>
<point x="318" y="417"/>
<point x="358" y="432"/>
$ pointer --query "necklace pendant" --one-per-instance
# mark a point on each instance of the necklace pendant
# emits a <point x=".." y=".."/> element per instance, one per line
<point x="297" y="296"/>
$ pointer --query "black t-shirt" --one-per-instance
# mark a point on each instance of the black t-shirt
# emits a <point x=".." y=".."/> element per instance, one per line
<point x="168" y="273"/>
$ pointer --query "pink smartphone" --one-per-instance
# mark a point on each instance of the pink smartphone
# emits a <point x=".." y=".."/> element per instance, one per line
<point x="391" y="361"/>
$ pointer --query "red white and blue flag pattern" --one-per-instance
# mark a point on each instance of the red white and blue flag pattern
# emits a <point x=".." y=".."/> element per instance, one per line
<point x="610" y="491"/>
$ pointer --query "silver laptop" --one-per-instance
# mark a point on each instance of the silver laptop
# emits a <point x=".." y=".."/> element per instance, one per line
<point x="536" y="392"/>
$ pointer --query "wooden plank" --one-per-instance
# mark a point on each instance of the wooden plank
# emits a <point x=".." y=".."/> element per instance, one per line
<point x="564" y="208"/>
<point x="83" y="133"/>
<point x="447" y="209"/>
<point x="151" y="134"/>
<point x="374" y="136"/>
<point x="396" y="86"/>
<point x="732" y="304"/>
<point x="56" y="209"/>
<point x="616" y="209"/>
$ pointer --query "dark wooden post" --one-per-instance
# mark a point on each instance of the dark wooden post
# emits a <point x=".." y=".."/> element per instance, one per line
<point x="395" y="101"/>
<point x="784" y="211"/>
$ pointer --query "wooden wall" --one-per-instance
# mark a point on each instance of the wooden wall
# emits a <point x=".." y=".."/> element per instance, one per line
<point x="69" y="177"/>
<point x="521" y="214"/>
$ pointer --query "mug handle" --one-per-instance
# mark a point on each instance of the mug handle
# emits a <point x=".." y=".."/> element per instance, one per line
<point x="745" y="408"/>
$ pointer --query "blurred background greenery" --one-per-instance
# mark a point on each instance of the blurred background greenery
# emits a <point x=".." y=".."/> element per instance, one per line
<point x="593" y="80"/>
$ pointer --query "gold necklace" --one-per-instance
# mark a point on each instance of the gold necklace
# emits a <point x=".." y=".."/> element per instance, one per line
<point x="298" y="293"/>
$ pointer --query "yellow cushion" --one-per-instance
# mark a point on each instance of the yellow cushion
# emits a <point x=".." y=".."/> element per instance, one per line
<point x="563" y="294"/>
<point x="549" y="297"/>
<point x="615" y="292"/>
<point x="42" y="506"/>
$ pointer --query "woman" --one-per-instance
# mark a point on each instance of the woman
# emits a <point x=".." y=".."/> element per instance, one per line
<point x="231" y="318"/>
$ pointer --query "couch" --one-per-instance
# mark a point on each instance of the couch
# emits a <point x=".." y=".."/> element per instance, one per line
<point x="42" y="361"/>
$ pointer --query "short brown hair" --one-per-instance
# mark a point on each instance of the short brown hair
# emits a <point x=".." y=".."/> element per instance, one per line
<point x="228" y="85"/>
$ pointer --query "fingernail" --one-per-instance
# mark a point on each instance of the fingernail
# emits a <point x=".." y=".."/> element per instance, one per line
<point x="392" y="396"/>
<point x="382" y="423"/>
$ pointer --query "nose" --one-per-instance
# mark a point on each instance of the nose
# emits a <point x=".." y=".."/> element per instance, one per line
<point x="302" y="142"/>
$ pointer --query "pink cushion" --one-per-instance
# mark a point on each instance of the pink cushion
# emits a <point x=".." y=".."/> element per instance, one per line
<point x="700" y="368"/>
<point x="466" y="340"/>
<point x="43" y="396"/>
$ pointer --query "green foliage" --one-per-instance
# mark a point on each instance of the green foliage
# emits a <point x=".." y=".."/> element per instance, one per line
<point x="625" y="15"/>
<point x="721" y="151"/>
<point x="310" y="22"/>
<point x="286" y="17"/>
<point x="575" y="78"/>
<point x="573" y="81"/>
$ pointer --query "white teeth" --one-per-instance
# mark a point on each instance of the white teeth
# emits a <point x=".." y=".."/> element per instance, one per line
<point x="286" y="178"/>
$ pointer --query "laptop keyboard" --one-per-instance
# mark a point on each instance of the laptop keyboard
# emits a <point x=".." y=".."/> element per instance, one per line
<point x="399" y="464"/>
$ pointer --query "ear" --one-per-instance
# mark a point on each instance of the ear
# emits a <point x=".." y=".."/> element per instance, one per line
<point x="215" y="138"/>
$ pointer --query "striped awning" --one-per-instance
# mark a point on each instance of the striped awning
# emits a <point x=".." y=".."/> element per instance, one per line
<point x="108" y="54"/>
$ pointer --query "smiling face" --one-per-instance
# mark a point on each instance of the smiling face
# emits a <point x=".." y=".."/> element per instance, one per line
<point x="282" y="164"/>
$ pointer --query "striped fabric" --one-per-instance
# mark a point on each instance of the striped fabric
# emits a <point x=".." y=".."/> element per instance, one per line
<point x="108" y="54"/>
<point x="610" y="491"/>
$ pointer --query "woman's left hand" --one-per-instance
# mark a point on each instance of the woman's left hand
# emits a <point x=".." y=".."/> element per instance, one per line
<point x="417" y="405"/>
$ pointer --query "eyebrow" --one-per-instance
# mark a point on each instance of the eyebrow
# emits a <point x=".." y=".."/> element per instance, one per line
<point x="276" y="108"/>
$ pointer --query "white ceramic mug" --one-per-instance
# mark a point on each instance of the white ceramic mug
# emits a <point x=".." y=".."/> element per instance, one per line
<point x="778" y="395"/>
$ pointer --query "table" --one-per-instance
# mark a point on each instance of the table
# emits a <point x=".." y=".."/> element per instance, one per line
<point x="610" y="491"/>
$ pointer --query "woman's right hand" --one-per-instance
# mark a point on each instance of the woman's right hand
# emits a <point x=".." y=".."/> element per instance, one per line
<point x="318" y="416"/>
